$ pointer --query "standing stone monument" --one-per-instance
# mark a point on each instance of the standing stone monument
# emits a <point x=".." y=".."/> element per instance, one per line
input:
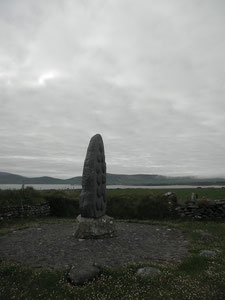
<point x="93" y="194"/>
<point x="92" y="221"/>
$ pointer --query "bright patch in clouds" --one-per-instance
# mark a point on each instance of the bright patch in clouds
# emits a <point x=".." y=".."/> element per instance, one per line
<point x="47" y="76"/>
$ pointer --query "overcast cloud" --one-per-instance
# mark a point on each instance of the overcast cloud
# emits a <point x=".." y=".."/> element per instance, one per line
<point x="149" y="76"/>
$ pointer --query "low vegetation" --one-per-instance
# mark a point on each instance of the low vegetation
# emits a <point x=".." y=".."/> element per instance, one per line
<point x="63" y="204"/>
<point x="183" y="195"/>
<point x="122" y="204"/>
<point x="27" y="196"/>
<point x="31" y="196"/>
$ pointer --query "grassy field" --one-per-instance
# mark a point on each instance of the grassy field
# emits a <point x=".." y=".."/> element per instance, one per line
<point x="30" y="196"/>
<point x="182" y="194"/>
<point x="196" y="277"/>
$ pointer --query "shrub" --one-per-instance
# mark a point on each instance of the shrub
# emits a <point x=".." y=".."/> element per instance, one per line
<point x="28" y="196"/>
<point x="61" y="205"/>
<point x="122" y="207"/>
<point x="141" y="207"/>
<point x="153" y="207"/>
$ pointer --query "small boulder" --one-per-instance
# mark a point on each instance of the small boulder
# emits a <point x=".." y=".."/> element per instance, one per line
<point x="208" y="253"/>
<point x="171" y="199"/>
<point x="81" y="276"/>
<point x="147" y="271"/>
<point x="205" y="236"/>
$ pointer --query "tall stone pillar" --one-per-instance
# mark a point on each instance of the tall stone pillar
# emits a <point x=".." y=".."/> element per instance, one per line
<point x="92" y="221"/>
<point x="93" y="195"/>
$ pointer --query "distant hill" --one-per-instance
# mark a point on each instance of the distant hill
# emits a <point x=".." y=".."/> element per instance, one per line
<point x="114" y="179"/>
<point x="4" y="173"/>
<point x="144" y="179"/>
<point x="8" y="178"/>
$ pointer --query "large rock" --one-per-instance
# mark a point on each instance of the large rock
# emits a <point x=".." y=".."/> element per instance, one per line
<point x="93" y="194"/>
<point x="171" y="198"/>
<point x="90" y="228"/>
<point x="82" y="275"/>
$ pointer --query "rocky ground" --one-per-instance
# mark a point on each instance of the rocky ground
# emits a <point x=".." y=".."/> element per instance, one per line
<point x="54" y="246"/>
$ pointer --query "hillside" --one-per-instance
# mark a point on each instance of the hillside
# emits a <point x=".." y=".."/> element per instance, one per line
<point x="144" y="179"/>
<point x="7" y="178"/>
<point x="114" y="179"/>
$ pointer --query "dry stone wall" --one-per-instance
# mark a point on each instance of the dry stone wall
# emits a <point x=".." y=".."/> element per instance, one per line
<point x="192" y="210"/>
<point x="40" y="210"/>
<point x="202" y="211"/>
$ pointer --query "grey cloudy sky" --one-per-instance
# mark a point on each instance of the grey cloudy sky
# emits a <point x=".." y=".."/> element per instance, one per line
<point x="148" y="75"/>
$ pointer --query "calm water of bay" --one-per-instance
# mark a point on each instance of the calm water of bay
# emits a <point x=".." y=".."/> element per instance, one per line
<point x="75" y="187"/>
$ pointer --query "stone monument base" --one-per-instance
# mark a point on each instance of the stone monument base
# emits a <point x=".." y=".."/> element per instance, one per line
<point x="90" y="228"/>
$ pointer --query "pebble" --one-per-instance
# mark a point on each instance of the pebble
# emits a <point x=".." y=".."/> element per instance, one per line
<point x="208" y="253"/>
<point x="148" y="271"/>
<point x="204" y="235"/>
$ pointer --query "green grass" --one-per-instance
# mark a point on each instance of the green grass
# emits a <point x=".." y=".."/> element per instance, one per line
<point x="182" y="194"/>
<point x="196" y="277"/>
<point x="129" y="203"/>
<point x="30" y="196"/>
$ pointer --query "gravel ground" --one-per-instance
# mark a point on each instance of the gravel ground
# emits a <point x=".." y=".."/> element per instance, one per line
<point x="54" y="246"/>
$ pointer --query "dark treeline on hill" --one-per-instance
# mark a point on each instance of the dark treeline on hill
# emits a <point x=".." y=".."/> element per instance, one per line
<point x="114" y="179"/>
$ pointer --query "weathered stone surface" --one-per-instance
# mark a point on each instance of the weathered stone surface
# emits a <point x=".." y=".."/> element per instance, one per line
<point x="148" y="271"/>
<point x="171" y="198"/>
<point x="194" y="197"/>
<point x="82" y="275"/>
<point x="25" y="211"/>
<point x="93" y="194"/>
<point x="87" y="228"/>
<point x="208" y="253"/>
<point x="202" y="210"/>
